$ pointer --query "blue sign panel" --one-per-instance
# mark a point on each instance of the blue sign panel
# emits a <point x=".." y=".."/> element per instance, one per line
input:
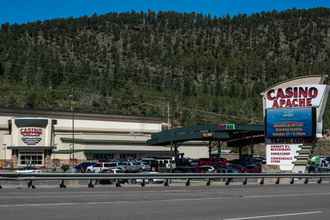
<point x="290" y="123"/>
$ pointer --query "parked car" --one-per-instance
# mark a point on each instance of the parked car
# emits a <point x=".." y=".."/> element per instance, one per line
<point x="253" y="168"/>
<point x="113" y="171"/>
<point x="212" y="161"/>
<point x="205" y="169"/>
<point x="144" y="166"/>
<point x="131" y="166"/>
<point x="228" y="169"/>
<point x="194" y="163"/>
<point x="236" y="168"/>
<point x="98" y="167"/>
<point x="159" y="163"/>
<point x="247" y="160"/>
<point x="82" y="167"/>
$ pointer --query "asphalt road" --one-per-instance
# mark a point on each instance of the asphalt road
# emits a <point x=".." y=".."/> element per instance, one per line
<point x="196" y="202"/>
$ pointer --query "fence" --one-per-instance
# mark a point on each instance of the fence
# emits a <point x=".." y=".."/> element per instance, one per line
<point x="166" y="177"/>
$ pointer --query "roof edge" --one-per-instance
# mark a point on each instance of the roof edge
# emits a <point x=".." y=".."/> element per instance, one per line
<point x="21" y="112"/>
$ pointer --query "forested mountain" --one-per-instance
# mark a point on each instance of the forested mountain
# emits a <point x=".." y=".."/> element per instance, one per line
<point x="133" y="63"/>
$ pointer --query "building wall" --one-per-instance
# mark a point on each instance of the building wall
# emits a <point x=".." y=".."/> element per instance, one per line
<point x="99" y="134"/>
<point x="107" y="126"/>
<point x="195" y="152"/>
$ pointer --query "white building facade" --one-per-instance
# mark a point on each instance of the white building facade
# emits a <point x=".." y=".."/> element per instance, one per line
<point x="47" y="139"/>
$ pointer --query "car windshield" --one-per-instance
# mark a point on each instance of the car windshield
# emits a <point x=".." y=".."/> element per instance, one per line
<point x="110" y="164"/>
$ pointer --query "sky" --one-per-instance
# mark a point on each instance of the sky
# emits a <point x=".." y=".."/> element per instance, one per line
<point x="22" y="11"/>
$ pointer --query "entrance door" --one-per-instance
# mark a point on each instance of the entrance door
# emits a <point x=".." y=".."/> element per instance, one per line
<point x="30" y="159"/>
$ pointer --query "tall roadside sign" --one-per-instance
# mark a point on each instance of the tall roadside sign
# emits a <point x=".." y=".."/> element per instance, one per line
<point x="293" y="113"/>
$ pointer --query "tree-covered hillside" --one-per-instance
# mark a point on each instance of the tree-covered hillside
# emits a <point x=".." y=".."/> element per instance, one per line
<point x="133" y="63"/>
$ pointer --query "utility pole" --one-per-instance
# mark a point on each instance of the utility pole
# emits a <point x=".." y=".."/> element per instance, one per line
<point x="72" y="114"/>
<point x="73" y="158"/>
<point x="168" y="116"/>
<point x="4" y="150"/>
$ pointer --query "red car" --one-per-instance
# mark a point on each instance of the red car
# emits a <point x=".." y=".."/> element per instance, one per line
<point x="220" y="162"/>
<point x="253" y="168"/>
<point x="205" y="169"/>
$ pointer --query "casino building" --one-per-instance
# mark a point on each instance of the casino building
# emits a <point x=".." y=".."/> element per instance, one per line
<point x="47" y="138"/>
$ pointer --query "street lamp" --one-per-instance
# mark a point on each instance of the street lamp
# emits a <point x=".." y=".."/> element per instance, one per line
<point x="72" y="114"/>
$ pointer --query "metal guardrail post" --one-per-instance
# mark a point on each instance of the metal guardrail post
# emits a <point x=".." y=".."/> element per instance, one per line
<point x="292" y="181"/>
<point x="262" y="181"/>
<point x="143" y="183"/>
<point x="90" y="184"/>
<point x="166" y="183"/>
<point x="306" y="180"/>
<point x="245" y="180"/>
<point x="319" y="181"/>
<point x="228" y="181"/>
<point x="277" y="180"/>
<point x="118" y="183"/>
<point x="62" y="185"/>
<point x="188" y="182"/>
<point x="30" y="184"/>
<point x="208" y="183"/>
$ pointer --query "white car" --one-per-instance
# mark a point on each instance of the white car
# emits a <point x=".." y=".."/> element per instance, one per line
<point x="99" y="167"/>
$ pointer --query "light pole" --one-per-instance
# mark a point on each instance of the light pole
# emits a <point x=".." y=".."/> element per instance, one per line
<point x="4" y="152"/>
<point x="72" y="114"/>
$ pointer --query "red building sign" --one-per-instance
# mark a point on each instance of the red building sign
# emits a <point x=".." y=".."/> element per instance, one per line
<point x="295" y="96"/>
<point x="31" y="136"/>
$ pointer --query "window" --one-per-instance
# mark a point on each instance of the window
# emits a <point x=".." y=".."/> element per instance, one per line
<point x="110" y="164"/>
<point x="100" y="156"/>
<point x="30" y="158"/>
<point x="127" y="156"/>
<point x="123" y="163"/>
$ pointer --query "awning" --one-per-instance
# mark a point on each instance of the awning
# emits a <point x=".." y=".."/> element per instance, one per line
<point x="121" y="148"/>
<point x="31" y="122"/>
<point x="31" y="147"/>
<point x="101" y="141"/>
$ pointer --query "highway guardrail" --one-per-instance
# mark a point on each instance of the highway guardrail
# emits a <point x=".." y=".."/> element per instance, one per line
<point x="118" y="178"/>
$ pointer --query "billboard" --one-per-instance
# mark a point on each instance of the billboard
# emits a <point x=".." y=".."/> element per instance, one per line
<point x="286" y="123"/>
<point x="295" y="96"/>
<point x="282" y="155"/>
